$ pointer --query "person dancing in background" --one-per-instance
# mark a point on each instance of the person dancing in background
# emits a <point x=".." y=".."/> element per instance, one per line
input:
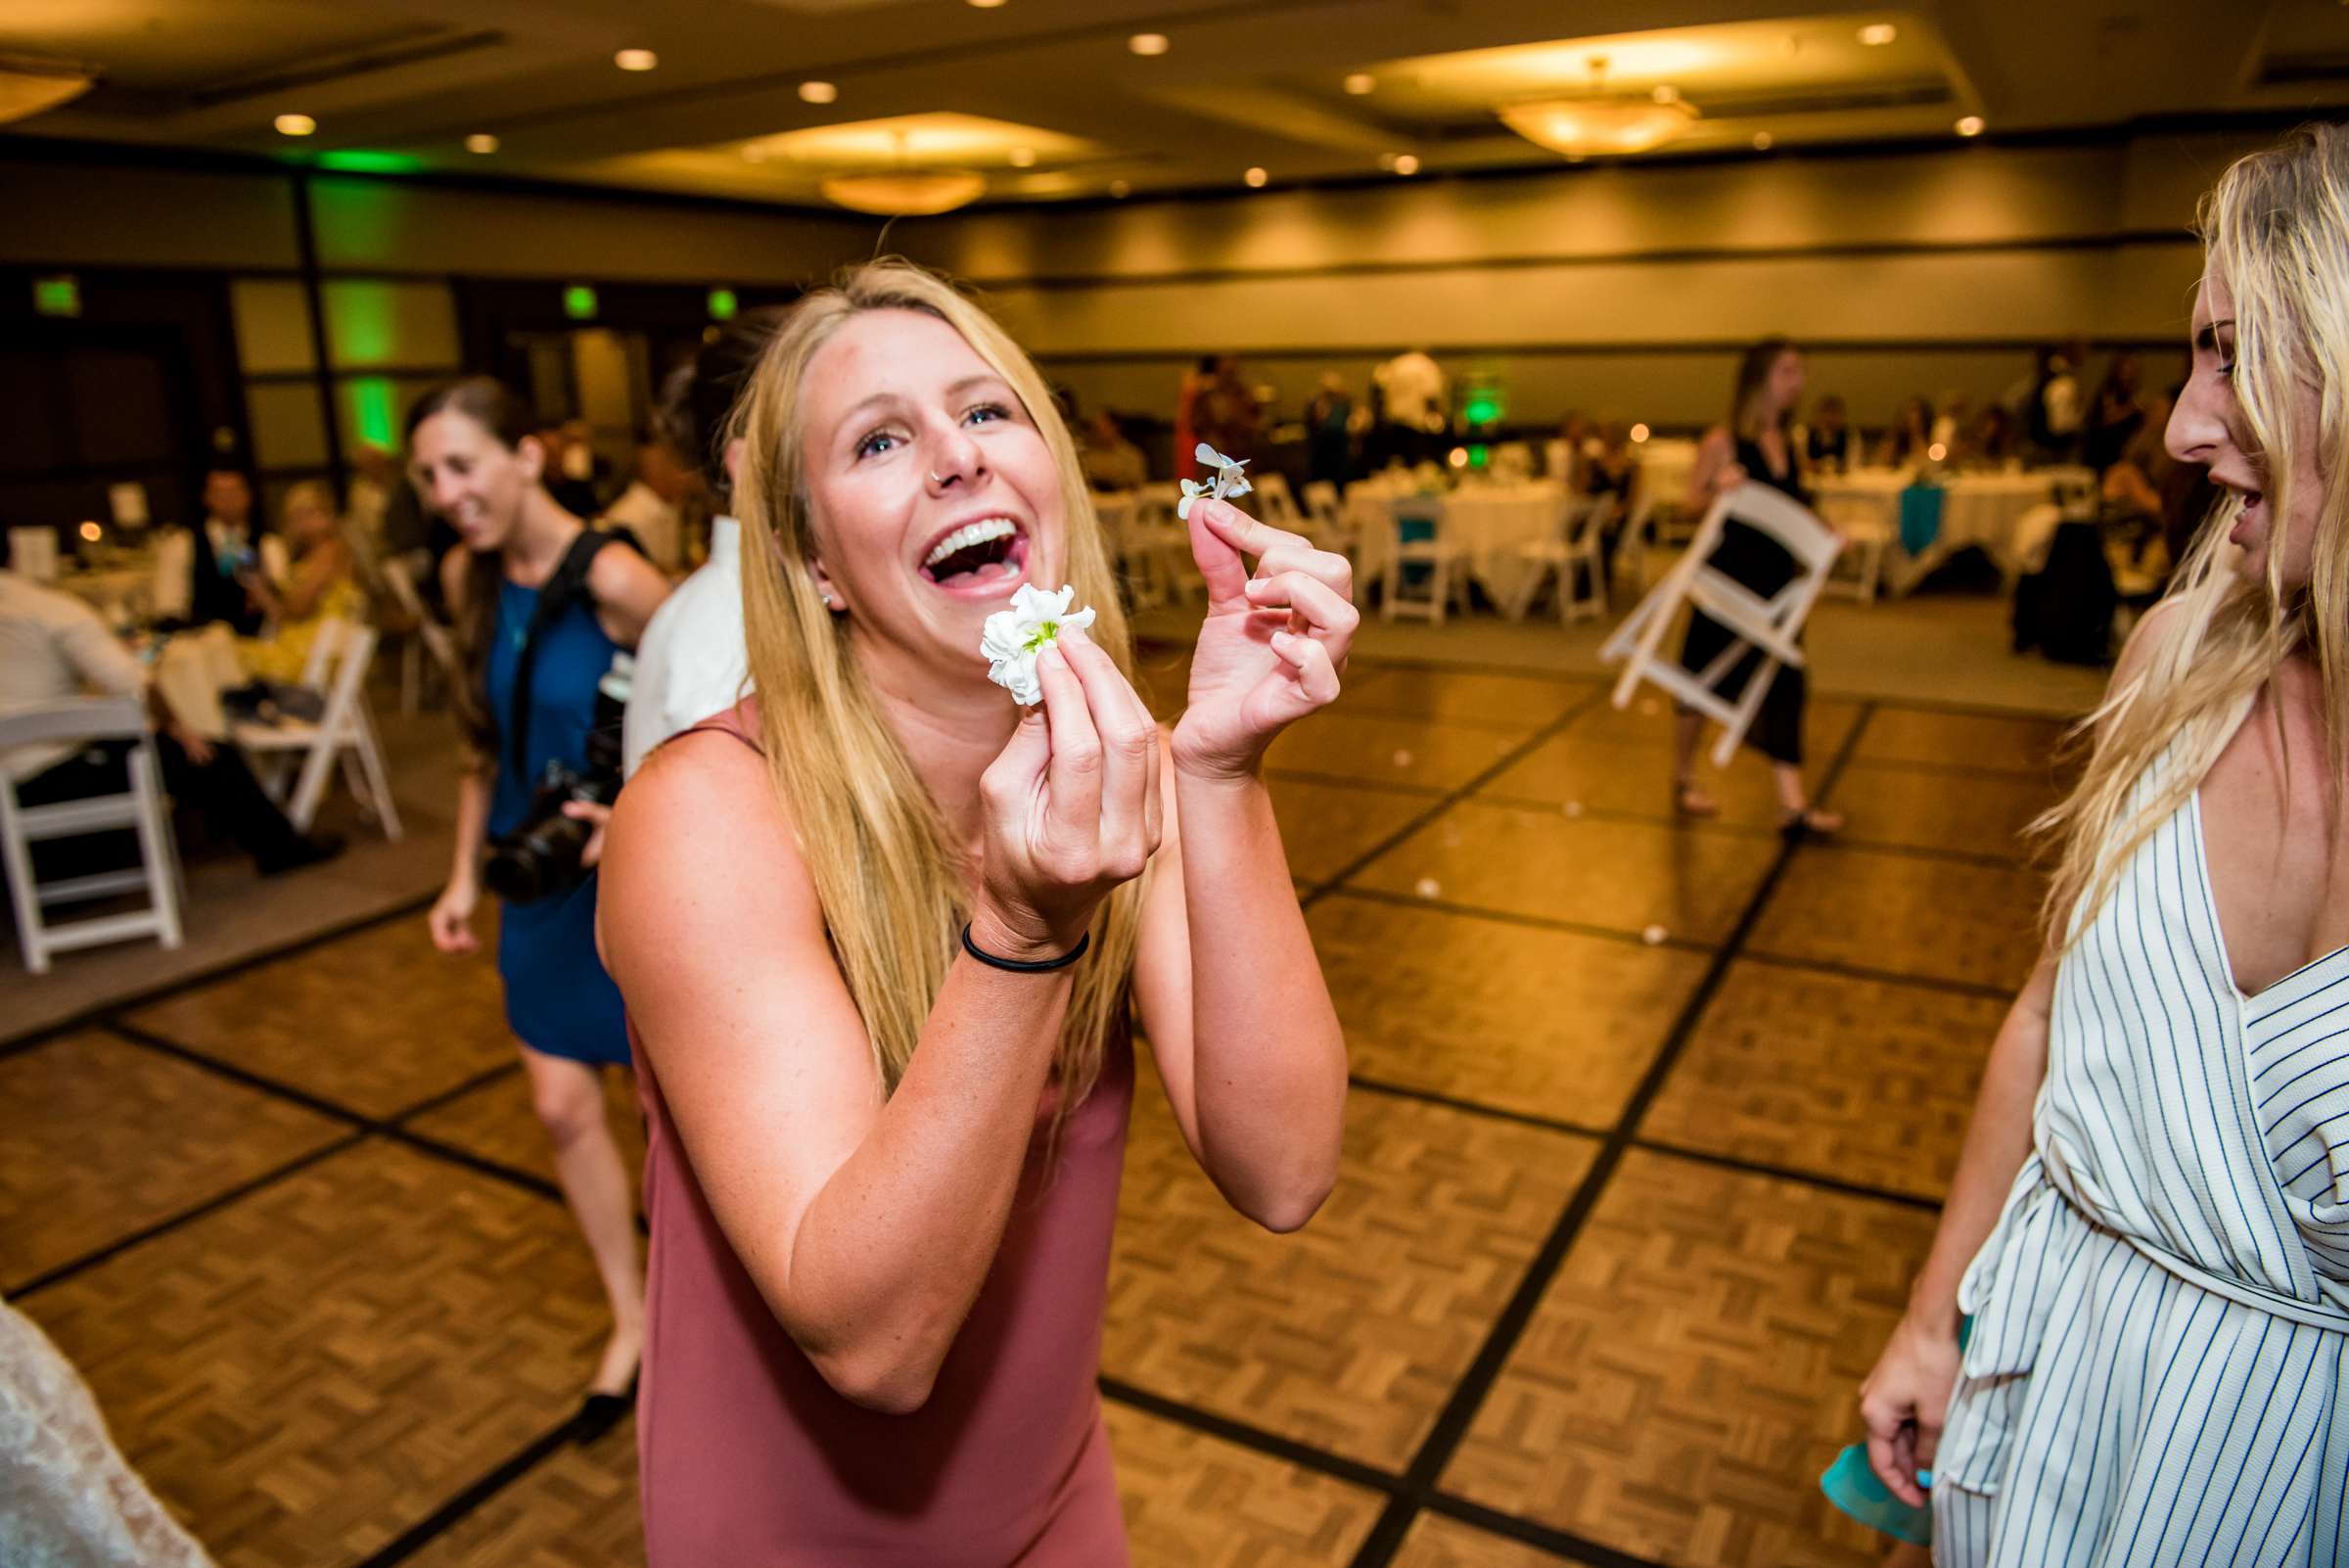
<point x="879" y="932"/>
<point x="1757" y="446"/>
<point x="2159" y="1305"/>
<point x="472" y="453"/>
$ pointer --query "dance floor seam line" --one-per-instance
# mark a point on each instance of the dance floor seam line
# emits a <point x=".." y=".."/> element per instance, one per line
<point x="1349" y="781"/>
<point x="186" y="1217"/>
<point x="1468" y="1395"/>
<point x="103" y="1015"/>
<point x="1883" y="977"/>
<point x="449" y="1514"/>
<point x="1515" y="917"/>
<point x="1445" y="803"/>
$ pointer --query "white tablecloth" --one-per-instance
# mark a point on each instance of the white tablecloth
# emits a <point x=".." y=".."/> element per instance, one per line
<point x="1985" y="509"/>
<point x="1489" y="523"/>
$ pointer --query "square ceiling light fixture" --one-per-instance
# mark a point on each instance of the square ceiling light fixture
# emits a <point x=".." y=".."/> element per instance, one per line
<point x="1600" y="124"/>
<point x="30" y="84"/>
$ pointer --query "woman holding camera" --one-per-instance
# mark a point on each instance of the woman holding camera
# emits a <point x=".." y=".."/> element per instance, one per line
<point x="472" y="453"/>
<point x="885" y="938"/>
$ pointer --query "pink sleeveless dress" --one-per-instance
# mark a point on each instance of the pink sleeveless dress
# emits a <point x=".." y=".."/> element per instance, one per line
<point x="748" y="1457"/>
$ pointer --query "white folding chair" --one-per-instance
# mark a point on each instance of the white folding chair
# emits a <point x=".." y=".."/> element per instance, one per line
<point x="1421" y="539"/>
<point x="139" y="807"/>
<point x="1274" y="502"/>
<point x="1166" y="537"/>
<point x="304" y="754"/>
<point x="429" y="636"/>
<point x="1136" y="558"/>
<point x="1573" y="554"/>
<point x="1770" y="626"/>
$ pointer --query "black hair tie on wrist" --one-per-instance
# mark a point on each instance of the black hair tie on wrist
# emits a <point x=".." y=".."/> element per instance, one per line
<point x="1015" y="966"/>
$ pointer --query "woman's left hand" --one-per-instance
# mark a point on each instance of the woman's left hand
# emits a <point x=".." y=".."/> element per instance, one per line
<point x="1273" y="642"/>
<point x="601" y="816"/>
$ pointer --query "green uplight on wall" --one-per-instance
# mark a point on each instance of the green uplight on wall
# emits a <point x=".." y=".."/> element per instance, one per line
<point x="373" y="413"/>
<point x="59" y="295"/>
<point x="579" y="302"/>
<point x="1482" y="408"/>
<point x="1480" y="456"/>
<point x="357" y="160"/>
<point x="722" y="304"/>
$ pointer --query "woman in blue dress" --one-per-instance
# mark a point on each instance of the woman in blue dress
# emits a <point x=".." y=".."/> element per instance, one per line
<point x="472" y="456"/>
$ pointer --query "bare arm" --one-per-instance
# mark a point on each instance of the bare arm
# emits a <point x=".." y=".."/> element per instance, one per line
<point x="1715" y="471"/>
<point x="627" y="588"/>
<point x="451" y="917"/>
<point x="1240" y="1021"/>
<point x="1244" y="1033"/>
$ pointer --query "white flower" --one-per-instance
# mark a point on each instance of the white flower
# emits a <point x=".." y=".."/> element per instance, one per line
<point x="1228" y="481"/>
<point x="1013" y="637"/>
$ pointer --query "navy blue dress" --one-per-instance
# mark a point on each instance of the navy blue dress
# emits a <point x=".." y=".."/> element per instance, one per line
<point x="558" y="998"/>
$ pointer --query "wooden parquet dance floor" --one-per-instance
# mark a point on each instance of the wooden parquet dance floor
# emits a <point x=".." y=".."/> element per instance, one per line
<point x="1649" y="1122"/>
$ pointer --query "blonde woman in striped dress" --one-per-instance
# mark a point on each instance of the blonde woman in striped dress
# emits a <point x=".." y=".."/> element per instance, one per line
<point x="2149" y="1227"/>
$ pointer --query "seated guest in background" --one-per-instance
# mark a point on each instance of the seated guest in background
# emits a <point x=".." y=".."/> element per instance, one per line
<point x="2115" y="416"/>
<point x="54" y="647"/>
<point x="1951" y="423"/>
<point x="1828" y="441"/>
<point x="317" y="586"/>
<point x="1993" y="437"/>
<point x="1329" y="432"/>
<point x="1610" y="468"/>
<point x="1755" y="447"/>
<point x="648" y="507"/>
<point x="1111" y="461"/>
<point x="1229" y="416"/>
<point x="691" y="662"/>
<point x="1910" y="435"/>
<point x="569" y="471"/>
<point x="227" y="549"/>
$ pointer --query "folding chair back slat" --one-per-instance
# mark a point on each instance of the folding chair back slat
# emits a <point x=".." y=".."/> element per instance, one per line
<point x="140" y="806"/>
<point x="1768" y="627"/>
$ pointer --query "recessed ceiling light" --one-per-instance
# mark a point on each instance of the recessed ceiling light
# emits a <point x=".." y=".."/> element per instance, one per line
<point x="481" y="142"/>
<point x="1023" y="157"/>
<point x="1877" y="34"/>
<point x="985" y="5"/>
<point x="1255" y="178"/>
<point x="1764" y="141"/>
<point x="1119" y="189"/>
<point x="1148" y="43"/>
<point x="1666" y="93"/>
<point x="818" y="92"/>
<point x="636" y="60"/>
<point x="294" y="124"/>
<point x="1971" y="125"/>
<point x="1406" y="163"/>
<point x="1360" y="82"/>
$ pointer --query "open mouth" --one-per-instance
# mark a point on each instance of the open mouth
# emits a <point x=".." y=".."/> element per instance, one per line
<point x="984" y="559"/>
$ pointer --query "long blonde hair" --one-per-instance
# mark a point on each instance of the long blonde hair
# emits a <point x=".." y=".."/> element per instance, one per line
<point x="892" y="882"/>
<point x="2276" y="229"/>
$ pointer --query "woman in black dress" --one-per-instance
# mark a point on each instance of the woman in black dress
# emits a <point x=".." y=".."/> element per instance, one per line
<point x="1757" y="444"/>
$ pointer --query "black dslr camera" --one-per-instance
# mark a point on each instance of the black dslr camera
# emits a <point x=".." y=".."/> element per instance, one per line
<point x="540" y="858"/>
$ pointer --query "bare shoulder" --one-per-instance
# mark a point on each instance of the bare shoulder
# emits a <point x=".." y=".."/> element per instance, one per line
<point x="623" y="576"/>
<point x="701" y="852"/>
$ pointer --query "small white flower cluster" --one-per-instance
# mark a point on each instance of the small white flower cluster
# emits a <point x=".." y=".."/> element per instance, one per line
<point x="1227" y="483"/>
<point x="1013" y="637"/>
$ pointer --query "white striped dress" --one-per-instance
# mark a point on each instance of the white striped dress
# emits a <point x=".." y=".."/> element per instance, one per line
<point x="2161" y="1318"/>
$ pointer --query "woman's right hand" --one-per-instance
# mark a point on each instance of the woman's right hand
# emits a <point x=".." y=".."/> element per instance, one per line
<point x="1903" y="1402"/>
<point x="1072" y="806"/>
<point x="451" y="919"/>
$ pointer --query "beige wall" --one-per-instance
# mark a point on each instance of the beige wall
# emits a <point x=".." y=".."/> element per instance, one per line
<point x="1621" y="289"/>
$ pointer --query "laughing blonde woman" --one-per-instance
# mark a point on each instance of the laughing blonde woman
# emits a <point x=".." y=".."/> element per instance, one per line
<point x="2149" y="1226"/>
<point x="878" y="933"/>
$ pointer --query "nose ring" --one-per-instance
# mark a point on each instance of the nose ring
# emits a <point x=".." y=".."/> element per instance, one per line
<point x="934" y="480"/>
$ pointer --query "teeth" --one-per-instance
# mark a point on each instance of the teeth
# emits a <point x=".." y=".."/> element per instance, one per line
<point x="984" y="532"/>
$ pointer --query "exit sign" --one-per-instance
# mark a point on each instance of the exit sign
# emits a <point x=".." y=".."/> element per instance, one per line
<point x="57" y="297"/>
<point x="579" y="302"/>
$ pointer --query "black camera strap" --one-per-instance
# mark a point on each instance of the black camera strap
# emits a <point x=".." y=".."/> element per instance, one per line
<point x="566" y="587"/>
